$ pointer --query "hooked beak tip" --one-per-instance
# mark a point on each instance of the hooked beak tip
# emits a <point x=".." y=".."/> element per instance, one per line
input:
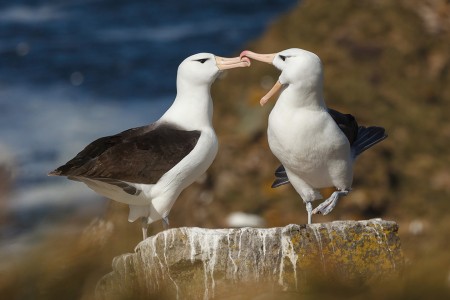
<point x="267" y="58"/>
<point x="246" y="60"/>
<point x="243" y="53"/>
<point x="264" y="100"/>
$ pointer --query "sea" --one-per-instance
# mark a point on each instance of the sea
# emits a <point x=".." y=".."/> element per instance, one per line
<point x="75" y="70"/>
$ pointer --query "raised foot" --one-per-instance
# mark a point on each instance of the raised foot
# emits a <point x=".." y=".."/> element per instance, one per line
<point x="327" y="206"/>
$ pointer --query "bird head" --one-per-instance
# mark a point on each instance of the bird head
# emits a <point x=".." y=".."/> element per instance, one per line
<point x="298" y="67"/>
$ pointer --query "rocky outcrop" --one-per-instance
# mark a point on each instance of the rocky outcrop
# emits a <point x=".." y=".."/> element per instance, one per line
<point x="196" y="263"/>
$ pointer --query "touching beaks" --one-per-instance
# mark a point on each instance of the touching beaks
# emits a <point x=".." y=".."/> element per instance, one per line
<point x="267" y="58"/>
<point x="224" y="63"/>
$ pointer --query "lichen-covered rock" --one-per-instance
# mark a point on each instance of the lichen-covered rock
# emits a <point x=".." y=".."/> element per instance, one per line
<point x="195" y="263"/>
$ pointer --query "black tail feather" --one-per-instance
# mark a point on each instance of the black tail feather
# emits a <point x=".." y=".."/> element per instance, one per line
<point x="367" y="137"/>
<point x="281" y="177"/>
<point x="280" y="181"/>
<point x="280" y="172"/>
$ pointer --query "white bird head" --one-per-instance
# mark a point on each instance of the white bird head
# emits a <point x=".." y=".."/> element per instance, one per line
<point x="192" y="107"/>
<point x="203" y="68"/>
<point x="299" y="67"/>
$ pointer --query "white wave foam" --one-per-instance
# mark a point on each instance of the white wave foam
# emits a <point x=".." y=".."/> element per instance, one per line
<point x="60" y="193"/>
<point x="30" y="14"/>
<point x="174" y="32"/>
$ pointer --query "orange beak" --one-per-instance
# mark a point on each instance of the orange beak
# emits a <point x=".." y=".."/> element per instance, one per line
<point x="224" y="63"/>
<point x="267" y="58"/>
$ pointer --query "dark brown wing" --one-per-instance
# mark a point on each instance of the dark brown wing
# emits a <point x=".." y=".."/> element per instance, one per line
<point x="138" y="155"/>
<point x="347" y="123"/>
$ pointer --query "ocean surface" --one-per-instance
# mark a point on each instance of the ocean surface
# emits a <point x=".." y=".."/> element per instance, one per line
<point x="75" y="70"/>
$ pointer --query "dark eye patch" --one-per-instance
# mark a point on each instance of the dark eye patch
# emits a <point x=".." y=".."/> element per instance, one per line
<point x="202" y="60"/>
<point x="283" y="58"/>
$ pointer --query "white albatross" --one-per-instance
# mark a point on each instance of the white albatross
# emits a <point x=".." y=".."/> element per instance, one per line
<point x="317" y="146"/>
<point x="147" y="167"/>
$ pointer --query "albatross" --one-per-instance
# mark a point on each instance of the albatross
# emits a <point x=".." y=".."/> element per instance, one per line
<point x="317" y="146"/>
<point x="147" y="167"/>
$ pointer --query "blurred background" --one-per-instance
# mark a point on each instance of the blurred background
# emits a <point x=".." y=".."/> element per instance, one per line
<point x="75" y="70"/>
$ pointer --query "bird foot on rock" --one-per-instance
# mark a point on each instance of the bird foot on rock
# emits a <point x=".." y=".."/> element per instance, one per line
<point x="309" y="210"/>
<point x="144" y="225"/>
<point x="327" y="206"/>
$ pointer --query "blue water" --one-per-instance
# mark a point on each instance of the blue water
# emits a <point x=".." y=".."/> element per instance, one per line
<point x="75" y="70"/>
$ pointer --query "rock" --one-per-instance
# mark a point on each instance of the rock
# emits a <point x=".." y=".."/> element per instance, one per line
<point x="196" y="263"/>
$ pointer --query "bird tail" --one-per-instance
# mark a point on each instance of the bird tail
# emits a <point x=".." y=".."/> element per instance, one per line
<point x="366" y="138"/>
<point x="280" y="177"/>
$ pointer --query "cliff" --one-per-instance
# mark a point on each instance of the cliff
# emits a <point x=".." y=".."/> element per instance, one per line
<point x="197" y="263"/>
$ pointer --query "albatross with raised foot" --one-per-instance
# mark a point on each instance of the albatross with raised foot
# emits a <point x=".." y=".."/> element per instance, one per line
<point x="317" y="146"/>
<point x="147" y="167"/>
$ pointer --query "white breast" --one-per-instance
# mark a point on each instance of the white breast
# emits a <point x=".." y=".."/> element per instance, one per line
<point x="309" y="144"/>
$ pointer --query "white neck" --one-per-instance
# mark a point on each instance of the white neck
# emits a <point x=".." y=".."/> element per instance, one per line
<point x="192" y="108"/>
<point x="303" y="96"/>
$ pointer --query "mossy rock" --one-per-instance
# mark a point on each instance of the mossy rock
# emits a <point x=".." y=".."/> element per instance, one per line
<point x="196" y="263"/>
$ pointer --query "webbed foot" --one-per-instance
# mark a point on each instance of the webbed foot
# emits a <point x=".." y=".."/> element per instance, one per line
<point x="327" y="206"/>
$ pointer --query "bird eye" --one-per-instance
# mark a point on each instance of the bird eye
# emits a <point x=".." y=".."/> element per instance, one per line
<point x="283" y="58"/>
<point x="202" y="61"/>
